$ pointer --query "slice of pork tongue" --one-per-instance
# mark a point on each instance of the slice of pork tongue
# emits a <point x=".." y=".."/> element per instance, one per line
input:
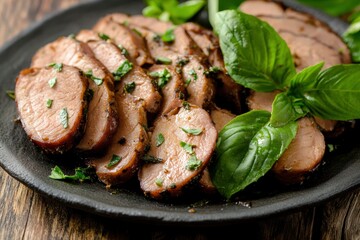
<point x="121" y="160"/>
<point x="101" y="118"/>
<point x="113" y="58"/>
<point x="228" y="92"/>
<point x="303" y="155"/>
<point x="127" y="38"/>
<point x="309" y="40"/>
<point x="53" y="116"/>
<point x="181" y="156"/>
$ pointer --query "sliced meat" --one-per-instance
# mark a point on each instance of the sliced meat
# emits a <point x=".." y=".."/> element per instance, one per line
<point x="228" y="92"/>
<point x="309" y="40"/>
<point x="127" y="38"/>
<point x="220" y="118"/>
<point x="173" y="92"/>
<point x="112" y="57"/>
<point x="121" y="160"/>
<point x="52" y="106"/>
<point x="303" y="155"/>
<point x="101" y="118"/>
<point x="148" y="23"/>
<point x="139" y="86"/>
<point x="183" y="156"/>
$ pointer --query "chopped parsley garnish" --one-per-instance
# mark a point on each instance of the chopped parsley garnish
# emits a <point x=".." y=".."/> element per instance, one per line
<point x="129" y="87"/>
<point x="186" y="105"/>
<point x="115" y="159"/>
<point x="163" y="76"/>
<point x="159" y="182"/>
<point x="168" y="36"/>
<point x="163" y="60"/>
<point x="57" y="66"/>
<point x="187" y="81"/>
<point x="103" y="36"/>
<point x="187" y="147"/>
<point x="97" y="81"/>
<point x="52" y="82"/>
<point x="192" y="131"/>
<point x="151" y="159"/>
<point x="193" y="74"/>
<point x="193" y="163"/>
<point x="211" y="71"/>
<point x="160" y="140"/>
<point x="11" y="94"/>
<point x="123" y="69"/>
<point x="49" y="103"/>
<point x="80" y="174"/>
<point x="137" y="32"/>
<point x="182" y="62"/>
<point x="64" y="118"/>
<point x="123" y="50"/>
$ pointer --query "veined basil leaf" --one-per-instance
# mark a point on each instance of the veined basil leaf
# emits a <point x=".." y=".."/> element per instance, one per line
<point x="215" y="6"/>
<point x="247" y="148"/>
<point x="286" y="109"/>
<point x="336" y="93"/>
<point x="332" y="7"/>
<point x="305" y="79"/>
<point x="254" y="53"/>
<point x="186" y="10"/>
<point x="352" y="39"/>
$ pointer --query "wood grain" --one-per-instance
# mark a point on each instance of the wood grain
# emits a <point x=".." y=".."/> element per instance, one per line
<point x="27" y="215"/>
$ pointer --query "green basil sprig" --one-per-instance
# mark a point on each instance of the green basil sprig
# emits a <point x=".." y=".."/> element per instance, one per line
<point x="258" y="58"/>
<point x="352" y="38"/>
<point x="247" y="148"/>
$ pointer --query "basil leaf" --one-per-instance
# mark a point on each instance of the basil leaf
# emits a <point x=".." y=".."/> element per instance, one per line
<point x="186" y="10"/>
<point x="286" y="109"/>
<point x="80" y="174"/>
<point x="160" y="140"/>
<point x="336" y="93"/>
<point x="247" y="148"/>
<point x="305" y="79"/>
<point x="332" y="7"/>
<point x="352" y="39"/>
<point x="255" y="55"/>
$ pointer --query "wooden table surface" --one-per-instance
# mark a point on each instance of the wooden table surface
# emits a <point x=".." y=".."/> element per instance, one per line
<point x="27" y="215"/>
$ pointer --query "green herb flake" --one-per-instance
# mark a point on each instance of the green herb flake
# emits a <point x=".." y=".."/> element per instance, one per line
<point x="192" y="131"/>
<point x="182" y="62"/>
<point x="57" y="66"/>
<point x="97" y="81"/>
<point x="64" y="118"/>
<point x="11" y="94"/>
<point x="159" y="139"/>
<point x="168" y="36"/>
<point x="115" y="159"/>
<point x="213" y="70"/>
<point x="49" y="103"/>
<point x="193" y="74"/>
<point x="123" y="69"/>
<point x="151" y="159"/>
<point x="123" y="50"/>
<point x="103" y="36"/>
<point x="126" y="23"/>
<point x="187" y="81"/>
<point x="186" y="105"/>
<point x="81" y="174"/>
<point x="163" y="76"/>
<point x="163" y="60"/>
<point x="52" y="82"/>
<point x="159" y="182"/>
<point x="187" y="147"/>
<point x="193" y="163"/>
<point x="129" y="87"/>
<point x="137" y="32"/>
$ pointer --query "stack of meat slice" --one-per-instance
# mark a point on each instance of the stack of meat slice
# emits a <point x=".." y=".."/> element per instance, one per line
<point x="135" y="105"/>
